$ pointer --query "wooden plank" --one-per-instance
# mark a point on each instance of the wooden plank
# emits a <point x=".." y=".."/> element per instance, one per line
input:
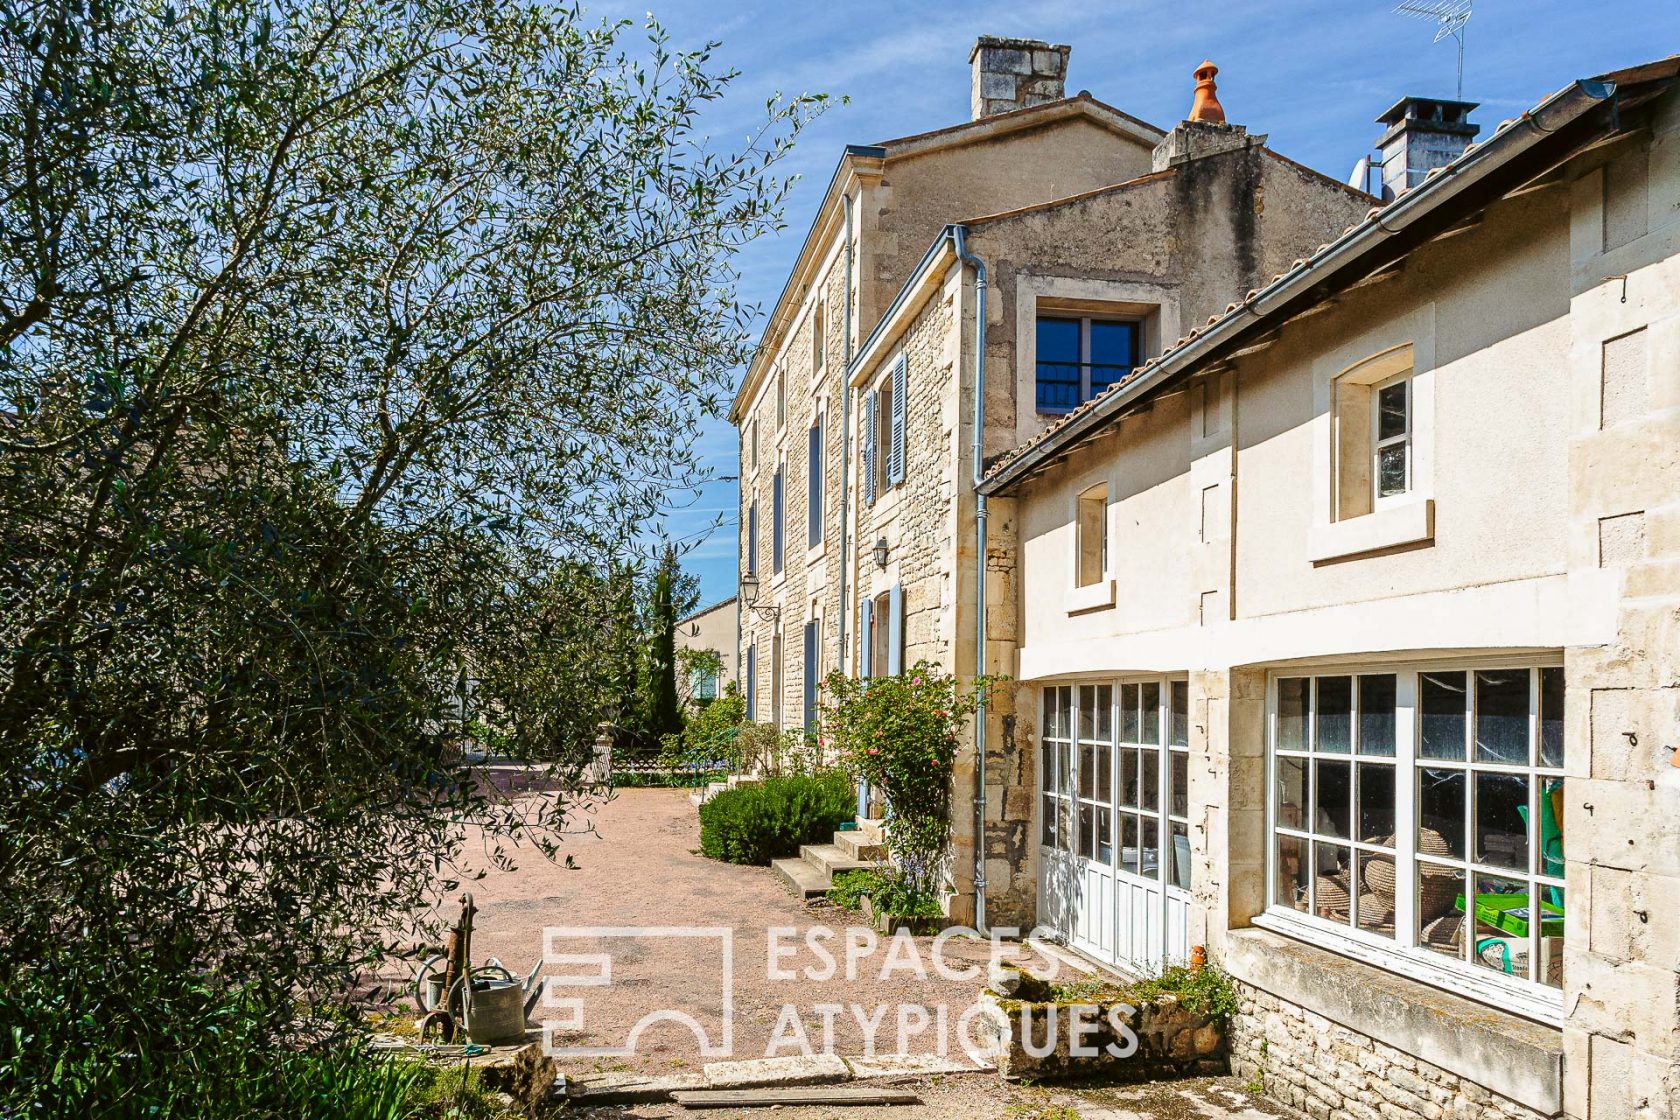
<point x="807" y="1094"/>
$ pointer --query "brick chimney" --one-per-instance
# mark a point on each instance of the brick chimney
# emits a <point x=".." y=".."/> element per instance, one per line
<point x="1423" y="133"/>
<point x="1015" y="73"/>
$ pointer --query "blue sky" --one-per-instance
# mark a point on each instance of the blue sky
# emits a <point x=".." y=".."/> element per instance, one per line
<point x="1311" y="75"/>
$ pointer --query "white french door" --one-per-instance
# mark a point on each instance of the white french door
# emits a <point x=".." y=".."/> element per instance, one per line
<point x="1114" y="854"/>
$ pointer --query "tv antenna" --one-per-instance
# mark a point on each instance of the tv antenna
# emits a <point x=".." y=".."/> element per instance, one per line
<point x="1449" y="18"/>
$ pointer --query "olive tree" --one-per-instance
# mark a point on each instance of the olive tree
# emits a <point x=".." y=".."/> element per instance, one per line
<point x="337" y="334"/>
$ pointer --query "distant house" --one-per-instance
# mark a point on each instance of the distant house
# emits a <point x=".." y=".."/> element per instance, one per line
<point x="714" y="629"/>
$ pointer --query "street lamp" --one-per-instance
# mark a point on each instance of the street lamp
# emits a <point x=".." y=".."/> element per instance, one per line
<point x="880" y="553"/>
<point x="749" y="599"/>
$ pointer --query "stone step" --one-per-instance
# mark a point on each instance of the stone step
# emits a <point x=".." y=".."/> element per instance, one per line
<point x="856" y="844"/>
<point x="830" y="860"/>
<point x="804" y="878"/>
<point x="873" y="828"/>
<point x="701" y="796"/>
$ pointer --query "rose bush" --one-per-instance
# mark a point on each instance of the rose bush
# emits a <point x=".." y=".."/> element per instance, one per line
<point x="900" y="734"/>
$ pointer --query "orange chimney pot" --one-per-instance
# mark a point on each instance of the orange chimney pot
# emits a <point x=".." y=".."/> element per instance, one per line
<point x="1206" y="106"/>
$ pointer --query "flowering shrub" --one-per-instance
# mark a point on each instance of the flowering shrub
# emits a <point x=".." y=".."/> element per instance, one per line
<point x="900" y="734"/>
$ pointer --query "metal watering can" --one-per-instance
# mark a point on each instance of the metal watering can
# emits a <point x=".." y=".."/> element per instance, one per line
<point x="494" y="1006"/>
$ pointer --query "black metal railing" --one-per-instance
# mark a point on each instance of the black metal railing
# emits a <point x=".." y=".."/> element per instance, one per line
<point x="1061" y="385"/>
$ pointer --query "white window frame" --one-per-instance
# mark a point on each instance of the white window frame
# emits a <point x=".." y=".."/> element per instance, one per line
<point x="1379" y="500"/>
<point x="1401" y="954"/>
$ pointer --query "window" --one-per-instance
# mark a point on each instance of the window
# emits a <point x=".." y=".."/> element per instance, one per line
<point x="812" y="671"/>
<point x="814" y="483"/>
<point x="702" y="686"/>
<point x="1373" y="428"/>
<point x="1391" y="468"/>
<point x="882" y="634"/>
<point x="1080" y="357"/>
<point x="781" y="396"/>
<point x="1114" y="776"/>
<point x="819" y="342"/>
<point x="1422" y="810"/>
<point x="1092" y="530"/>
<point x="755" y="444"/>
<point x="882" y="437"/>
<point x="776" y="521"/>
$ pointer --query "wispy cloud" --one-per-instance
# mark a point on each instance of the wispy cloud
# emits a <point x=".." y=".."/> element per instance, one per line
<point x="1312" y="74"/>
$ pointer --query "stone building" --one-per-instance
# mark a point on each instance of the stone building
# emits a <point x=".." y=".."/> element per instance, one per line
<point x="1349" y="635"/>
<point x="1333" y="545"/>
<point x="856" y="418"/>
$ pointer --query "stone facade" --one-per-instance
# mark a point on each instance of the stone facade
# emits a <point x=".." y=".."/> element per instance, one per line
<point x="1539" y="322"/>
<point x="1331" y="1072"/>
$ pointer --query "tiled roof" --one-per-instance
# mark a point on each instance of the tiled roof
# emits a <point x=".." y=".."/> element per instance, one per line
<point x="1373" y="218"/>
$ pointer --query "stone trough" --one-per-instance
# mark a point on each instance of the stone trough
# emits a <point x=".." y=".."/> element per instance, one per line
<point x="1034" y="1032"/>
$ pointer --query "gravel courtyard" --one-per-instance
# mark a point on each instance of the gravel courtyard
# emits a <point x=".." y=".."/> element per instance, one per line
<point x="639" y="868"/>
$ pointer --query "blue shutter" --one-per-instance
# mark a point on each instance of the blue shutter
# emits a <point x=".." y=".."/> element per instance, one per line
<point x="811" y="676"/>
<point x="895" y="630"/>
<point x="869" y="406"/>
<point x="814" y="485"/>
<point x="776" y="520"/>
<point x="752" y="683"/>
<point x="895" y="457"/>
<point x="752" y="539"/>
<point x="866" y="637"/>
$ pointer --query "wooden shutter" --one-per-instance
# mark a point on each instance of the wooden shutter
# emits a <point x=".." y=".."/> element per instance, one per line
<point x="895" y="457"/>
<point x="752" y="683"/>
<point x="752" y="539"/>
<point x="869" y="449"/>
<point x="814" y="485"/>
<point x="866" y="637"/>
<point x="811" y="676"/>
<point x="776" y="523"/>
<point x="895" y="630"/>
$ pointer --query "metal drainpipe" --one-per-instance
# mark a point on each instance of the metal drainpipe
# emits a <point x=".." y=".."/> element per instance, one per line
<point x="958" y="234"/>
<point x="845" y="461"/>
<point x="845" y="428"/>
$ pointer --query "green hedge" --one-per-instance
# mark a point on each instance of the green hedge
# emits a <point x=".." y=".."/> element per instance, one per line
<point x="759" y="823"/>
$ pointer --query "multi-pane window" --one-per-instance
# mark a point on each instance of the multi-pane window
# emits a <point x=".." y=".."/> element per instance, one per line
<point x="1391" y="423"/>
<point x="1092" y="542"/>
<point x="1078" y="357"/>
<point x="1178" y="783"/>
<point x="1423" y="808"/>
<point x="1056" y="769"/>
<point x="1115" y="767"/>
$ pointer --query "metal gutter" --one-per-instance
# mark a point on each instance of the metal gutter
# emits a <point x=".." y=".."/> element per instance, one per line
<point x="1555" y="112"/>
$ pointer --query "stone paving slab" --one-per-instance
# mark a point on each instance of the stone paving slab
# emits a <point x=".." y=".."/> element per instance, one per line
<point x="912" y="1065"/>
<point x="594" y="1089"/>
<point x="796" y="1069"/>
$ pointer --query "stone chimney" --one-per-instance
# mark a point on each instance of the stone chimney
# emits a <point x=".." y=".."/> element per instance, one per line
<point x="1015" y="73"/>
<point x="1205" y="132"/>
<point x="1423" y="133"/>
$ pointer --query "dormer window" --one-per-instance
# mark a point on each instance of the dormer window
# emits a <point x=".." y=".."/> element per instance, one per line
<point x="1079" y="357"/>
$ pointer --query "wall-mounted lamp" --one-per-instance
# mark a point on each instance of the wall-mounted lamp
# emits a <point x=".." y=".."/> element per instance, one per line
<point x="880" y="553"/>
<point x="749" y="599"/>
